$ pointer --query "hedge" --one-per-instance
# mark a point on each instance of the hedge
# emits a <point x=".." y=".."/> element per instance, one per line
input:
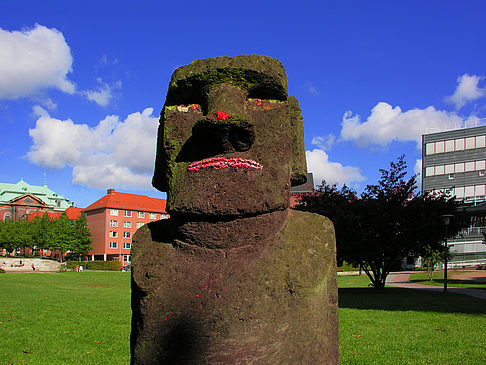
<point x="95" y="265"/>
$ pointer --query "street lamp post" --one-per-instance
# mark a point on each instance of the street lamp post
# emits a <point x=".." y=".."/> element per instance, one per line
<point x="447" y="220"/>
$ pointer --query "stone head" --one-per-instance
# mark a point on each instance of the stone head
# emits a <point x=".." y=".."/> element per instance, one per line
<point x="230" y="140"/>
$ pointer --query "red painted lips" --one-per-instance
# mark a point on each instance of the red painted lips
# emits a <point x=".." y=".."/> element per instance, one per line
<point x="224" y="162"/>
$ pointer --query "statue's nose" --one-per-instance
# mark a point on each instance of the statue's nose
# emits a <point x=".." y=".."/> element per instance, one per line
<point x="233" y="132"/>
<point x="226" y="97"/>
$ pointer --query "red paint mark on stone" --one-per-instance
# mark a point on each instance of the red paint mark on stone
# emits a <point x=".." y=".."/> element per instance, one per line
<point x="222" y="115"/>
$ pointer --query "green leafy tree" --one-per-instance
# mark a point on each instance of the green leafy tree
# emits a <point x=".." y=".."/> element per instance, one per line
<point x="22" y="234"/>
<point x="6" y="236"/>
<point x="82" y="235"/>
<point x="64" y="235"/>
<point x="386" y="223"/>
<point x="430" y="260"/>
<point x="43" y="228"/>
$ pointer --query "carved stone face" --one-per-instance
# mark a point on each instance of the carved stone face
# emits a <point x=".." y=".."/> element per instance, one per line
<point x="229" y="138"/>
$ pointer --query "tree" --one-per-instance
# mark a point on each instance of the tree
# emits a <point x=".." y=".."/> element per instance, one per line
<point x="83" y="236"/>
<point x="43" y="228"/>
<point x="64" y="237"/>
<point x="431" y="259"/>
<point x="386" y="223"/>
<point x="6" y="234"/>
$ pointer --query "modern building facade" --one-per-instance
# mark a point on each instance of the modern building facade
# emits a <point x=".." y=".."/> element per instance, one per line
<point x="114" y="219"/>
<point x="20" y="200"/>
<point x="455" y="161"/>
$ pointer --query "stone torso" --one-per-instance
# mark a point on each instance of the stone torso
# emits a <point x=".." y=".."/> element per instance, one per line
<point x="272" y="302"/>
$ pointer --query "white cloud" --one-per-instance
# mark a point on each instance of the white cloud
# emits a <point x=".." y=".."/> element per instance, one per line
<point x="324" y="143"/>
<point x="32" y="60"/>
<point x="113" y="154"/>
<point x="110" y="175"/>
<point x="333" y="172"/>
<point x="311" y="89"/>
<point x="387" y="124"/>
<point x="417" y="170"/>
<point x="467" y="90"/>
<point x="103" y="94"/>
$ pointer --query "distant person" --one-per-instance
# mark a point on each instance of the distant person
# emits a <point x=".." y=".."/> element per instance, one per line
<point x="81" y="268"/>
<point x="33" y="267"/>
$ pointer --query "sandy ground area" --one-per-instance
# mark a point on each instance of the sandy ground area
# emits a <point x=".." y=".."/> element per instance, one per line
<point x="477" y="276"/>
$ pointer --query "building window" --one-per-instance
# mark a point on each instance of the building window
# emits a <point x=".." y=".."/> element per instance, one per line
<point x="439" y="147"/>
<point x="127" y="235"/>
<point x="459" y="167"/>
<point x="449" y="169"/>
<point x="127" y="224"/>
<point x="114" y="212"/>
<point x="479" y="190"/>
<point x="470" y="143"/>
<point x="449" y="145"/>
<point x="459" y="193"/>
<point x="113" y="245"/>
<point x="127" y="258"/>
<point x="113" y="234"/>
<point x="113" y="223"/>
<point x="459" y="144"/>
<point x="469" y="191"/>
<point x="439" y="170"/>
<point x="164" y="216"/>
<point x="128" y="213"/>
<point x="430" y="148"/>
<point x="430" y="171"/>
<point x="480" y="142"/>
<point x="152" y="215"/>
<point x="126" y="245"/>
<point x="470" y="166"/>
<point x="480" y="165"/>
<point x="141" y="215"/>
<point x="7" y="217"/>
<point x="139" y="224"/>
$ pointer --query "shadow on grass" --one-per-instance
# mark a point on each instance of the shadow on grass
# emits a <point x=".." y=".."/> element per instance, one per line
<point x="398" y="299"/>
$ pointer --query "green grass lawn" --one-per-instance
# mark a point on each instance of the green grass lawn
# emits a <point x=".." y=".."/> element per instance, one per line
<point x="65" y="318"/>
<point x="404" y="326"/>
<point x="84" y="318"/>
<point x="438" y="280"/>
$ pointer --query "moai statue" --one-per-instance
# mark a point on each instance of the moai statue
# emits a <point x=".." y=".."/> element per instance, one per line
<point x="234" y="276"/>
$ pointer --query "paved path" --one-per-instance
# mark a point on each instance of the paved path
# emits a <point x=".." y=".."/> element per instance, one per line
<point x="401" y="280"/>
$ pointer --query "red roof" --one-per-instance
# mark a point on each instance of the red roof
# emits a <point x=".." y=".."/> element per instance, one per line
<point x="71" y="212"/>
<point x="130" y="202"/>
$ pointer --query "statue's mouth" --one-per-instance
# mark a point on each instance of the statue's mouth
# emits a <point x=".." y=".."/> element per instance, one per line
<point x="223" y="163"/>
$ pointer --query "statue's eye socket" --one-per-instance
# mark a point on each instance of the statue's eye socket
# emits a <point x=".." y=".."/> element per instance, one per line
<point x="263" y="92"/>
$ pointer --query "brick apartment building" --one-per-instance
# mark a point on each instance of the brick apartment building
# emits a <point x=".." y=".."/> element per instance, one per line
<point x="114" y="219"/>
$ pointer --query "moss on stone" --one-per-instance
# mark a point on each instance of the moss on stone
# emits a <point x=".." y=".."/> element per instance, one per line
<point x="261" y="76"/>
<point x="298" y="165"/>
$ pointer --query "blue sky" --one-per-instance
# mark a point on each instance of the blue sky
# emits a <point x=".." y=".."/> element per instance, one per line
<point x="82" y="82"/>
